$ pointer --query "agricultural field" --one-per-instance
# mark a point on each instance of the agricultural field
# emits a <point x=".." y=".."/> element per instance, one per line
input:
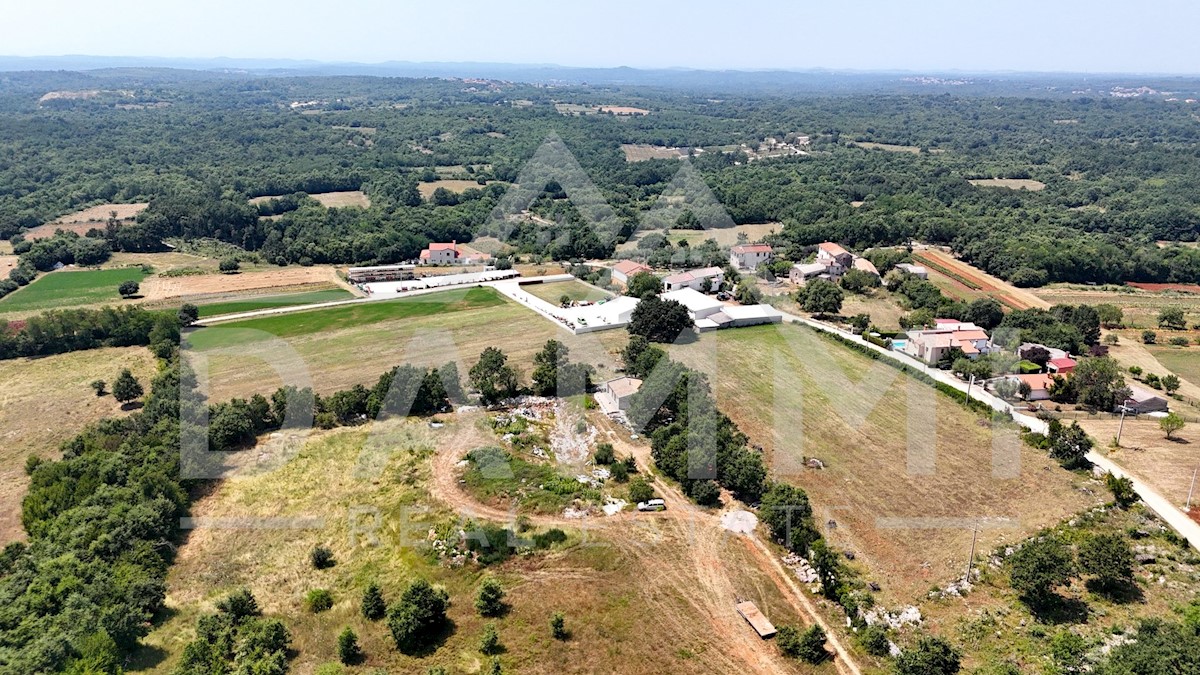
<point x="725" y="236"/>
<point x="47" y="401"/>
<point x="623" y="110"/>
<point x="889" y="147"/>
<point x="1183" y="361"/>
<point x="257" y="302"/>
<point x="424" y="330"/>
<point x="1165" y="464"/>
<point x="605" y="585"/>
<point x="1010" y="183"/>
<point x="961" y="280"/>
<point x="638" y="152"/>
<point x="884" y="310"/>
<point x="798" y="396"/>
<point x="577" y="291"/>
<point x="456" y="186"/>
<point x="343" y="199"/>
<point x="1131" y="352"/>
<point x="94" y="217"/>
<point x="1140" y="307"/>
<point x="294" y="277"/>
<point x="69" y="288"/>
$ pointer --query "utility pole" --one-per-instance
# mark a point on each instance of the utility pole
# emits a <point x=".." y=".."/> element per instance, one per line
<point x="1121" y="426"/>
<point x="969" y="384"/>
<point x="1190" y="489"/>
<point x="971" y="559"/>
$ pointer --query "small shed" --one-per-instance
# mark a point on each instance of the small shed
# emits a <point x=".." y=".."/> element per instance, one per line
<point x="755" y="618"/>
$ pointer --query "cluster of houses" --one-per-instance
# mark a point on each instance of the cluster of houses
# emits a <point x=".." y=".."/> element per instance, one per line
<point x="832" y="262"/>
<point x="1061" y="365"/>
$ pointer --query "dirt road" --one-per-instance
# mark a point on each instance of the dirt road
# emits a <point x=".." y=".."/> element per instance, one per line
<point x="685" y="552"/>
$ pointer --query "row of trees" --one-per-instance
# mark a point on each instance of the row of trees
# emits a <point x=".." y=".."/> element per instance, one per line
<point x="67" y="330"/>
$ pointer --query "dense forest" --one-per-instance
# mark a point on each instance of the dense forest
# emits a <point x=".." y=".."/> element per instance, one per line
<point x="1119" y="174"/>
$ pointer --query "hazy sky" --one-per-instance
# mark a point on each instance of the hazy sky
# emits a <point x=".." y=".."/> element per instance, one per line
<point x="1028" y="35"/>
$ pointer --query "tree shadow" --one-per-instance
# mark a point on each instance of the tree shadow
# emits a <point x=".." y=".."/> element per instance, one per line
<point x="1056" y="609"/>
<point x="433" y="640"/>
<point x="1122" y="593"/>
<point x="146" y="657"/>
<point x="1180" y="441"/>
<point x="132" y="405"/>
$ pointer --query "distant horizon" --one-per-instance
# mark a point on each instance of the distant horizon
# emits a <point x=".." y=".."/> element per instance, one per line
<point x="938" y="36"/>
<point x="300" y="61"/>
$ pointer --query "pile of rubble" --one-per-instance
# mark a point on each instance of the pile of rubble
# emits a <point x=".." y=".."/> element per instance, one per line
<point x="800" y="567"/>
<point x="880" y="616"/>
<point x="956" y="589"/>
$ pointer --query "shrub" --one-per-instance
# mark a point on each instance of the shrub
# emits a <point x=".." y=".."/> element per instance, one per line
<point x="321" y="557"/>
<point x="558" y="626"/>
<point x="229" y="265"/>
<point x="349" y="652"/>
<point x="705" y="492"/>
<point x="318" y="600"/>
<point x="418" y="617"/>
<point x="1149" y="337"/>
<point x="100" y="387"/>
<point x="373" y="607"/>
<point x="619" y="472"/>
<point x="549" y="538"/>
<point x="239" y="605"/>
<point x="640" y="490"/>
<point x="874" y="641"/>
<point x="489" y="642"/>
<point x="489" y="601"/>
<point x="930" y="656"/>
<point x="1179" y="341"/>
<point x="604" y="454"/>
<point x="811" y="645"/>
<point x="128" y="289"/>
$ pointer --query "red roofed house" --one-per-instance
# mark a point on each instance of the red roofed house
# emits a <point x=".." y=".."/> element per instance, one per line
<point x="622" y="271"/>
<point x="930" y="345"/>
<point x="833" y="254"/>
<point x="749" y="256"/>
<point x="1039" y="385"/>
<point x="694" y="279"/>
<point x="1062" y="366"/>
<point x="452" y="254"/>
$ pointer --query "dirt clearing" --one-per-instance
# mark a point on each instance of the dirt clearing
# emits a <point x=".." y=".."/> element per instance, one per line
<point x="1010" y="183"/>
<point x="642" y="152"/>
<point x="93" y="217"/>
<point x="455" y="186"/>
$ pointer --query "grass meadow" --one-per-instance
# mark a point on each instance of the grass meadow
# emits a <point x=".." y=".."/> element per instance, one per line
<point x="70" y="289"/>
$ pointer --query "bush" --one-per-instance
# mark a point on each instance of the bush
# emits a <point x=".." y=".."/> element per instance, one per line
<point x="1039" y="567"/>
<point x="1149" y="337"/>
<point x="489" y="601"/>
<point x="229" y="265"/>
<point x="604" y="454"/>
<point x="874" y="641"/>
<point x="619" y="472"/>
<point x="705" y="492"/>
<point x="1179" y="341"/>
<point x="640" y="490"/>
<point x="489" y="642"/>
<point x="128" y="289"/>
<point x="318" y="600"/>
<point x="321" y="558"/>
<point x="549" y="538"/>
<point x="349" y="652"/>
<point x="930" y="656"/>
<point x="100" y="387"/>
<point x="558" y="626"/>
<point x="419" y="616"/>
<point x="373" y="607"/>
<point x="808" y="646"/>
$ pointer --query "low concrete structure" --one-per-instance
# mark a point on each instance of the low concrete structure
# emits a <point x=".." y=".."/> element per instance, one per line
<point x="1142" y="400"/>
<point x="738" y="316"/>
<point x="755" y="618"/>
<point x="615" y="395"/>
<point x="391" y="288"/>
<point x="699" y="305"/>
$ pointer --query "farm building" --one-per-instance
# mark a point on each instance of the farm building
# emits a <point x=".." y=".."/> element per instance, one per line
<point x="755" y="618"/>
<point x="452" y="254"/>
<point x="832" y="262"/>
<point x="833" y="255"/>
<point x="622" y="271"/>
<point x="739" y="316"/>
<point x="1142" y="400"/>
<point x="1062" y="365"/>
<point x="695" y="279"/>
<point x="368" y="275"/>
<point x="802" y="273"/>
<point x="749" y="256"/>
<point x="916" y="270"/>
<point x="614" y="395"/>
<point x="699" y="305"/>
<point x="931" y="345"/>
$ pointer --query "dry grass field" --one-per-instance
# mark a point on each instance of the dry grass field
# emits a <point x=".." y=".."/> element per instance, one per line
<point x="1141" y="307"/>
<point x="964" y="281"/>
<point x="274" y="278"/>
<point x="456" y="186"/>
<point x="1165" y="464"/>
<point x="1010" y="183"/>
<point x="642" y="152"/>
<point x="1131" y="352"/>
<point x="725" y="236"/>
<point x="607" y="581"/>
<point x="343" y="199"/>
<point x="576" y="290"/>
<point x="889" y="147"/>
<point x="622" y="110"/>
<point x="1183" y="361"/>
<point x="798" y="395"/>
<point x="46" y="401"/>
<point x="94" y="217"/>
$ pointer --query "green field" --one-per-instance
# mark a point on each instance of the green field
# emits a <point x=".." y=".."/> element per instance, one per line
<point x="69" y="289"/>
<point x="339" y="318"/>
<point x="272" y="301"/>
<point x="1183" y="361"/>
<point x="575" y="290"/>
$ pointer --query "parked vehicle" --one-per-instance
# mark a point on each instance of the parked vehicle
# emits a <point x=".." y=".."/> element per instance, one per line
<point x="652" y="505"/>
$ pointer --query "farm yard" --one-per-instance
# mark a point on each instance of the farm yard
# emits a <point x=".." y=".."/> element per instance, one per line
<point x="1010" y="183"/>
<point x="800" y="396"/>
<point x="69" y="288"/>
<point x="961" y="280"/>
<point x="47" y="401"/>
<point x="642" y="152"/>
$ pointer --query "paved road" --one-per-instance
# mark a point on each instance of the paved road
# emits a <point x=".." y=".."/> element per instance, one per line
<point x="1163" y="507"/>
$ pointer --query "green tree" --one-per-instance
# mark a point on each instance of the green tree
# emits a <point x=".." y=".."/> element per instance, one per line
<point x="1070" y="445"/>
<point x="100" y="387"/>
<point x="493" y="377"/>
<point x="318" y="600"/>
<point x="1149" y="337"/>
<point x="1171" y="424"/>
<point x="419" y="616"/>
<point x="489" y="642"/>
<point x="188" y="314"/>
<point x="321" y="557"/>
<point x="229" y="265"/>
<point x="640" y="490"/>
<point x="373" y="606"/>
<point x="747" y="292"/>
<point x="1122" y="490"/>
<point x="640" y="357"/>
<point x="1172" y="318"/>
<point x="558" y="626"/>
<point x="930" y="656"/>
<point x="858" y="281"/>
<point x="1040" y="566"/>
<point x="787" y="512"/>
<point x="126" y="387"/>
<point x="1170" y="383"/>
<point x="1108" y="558"/>
<point x="546" y="365"/>
<point x="828" y="566"/>
<point x="1097" y="382"/>
<point x="820" y="297"/>
<point x="985" y="313"/>
<point x="489" y="600"/>
<point x="808" y="646"/>
<point x="604" y="454"/>
<point x="128" y="289"/>
<point x="643" y="285"/>
<point x="874" y="640"/>
<point x="659" y="320"/>
<point x="1111" y="316"/>
<point x="349" y="652"/>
